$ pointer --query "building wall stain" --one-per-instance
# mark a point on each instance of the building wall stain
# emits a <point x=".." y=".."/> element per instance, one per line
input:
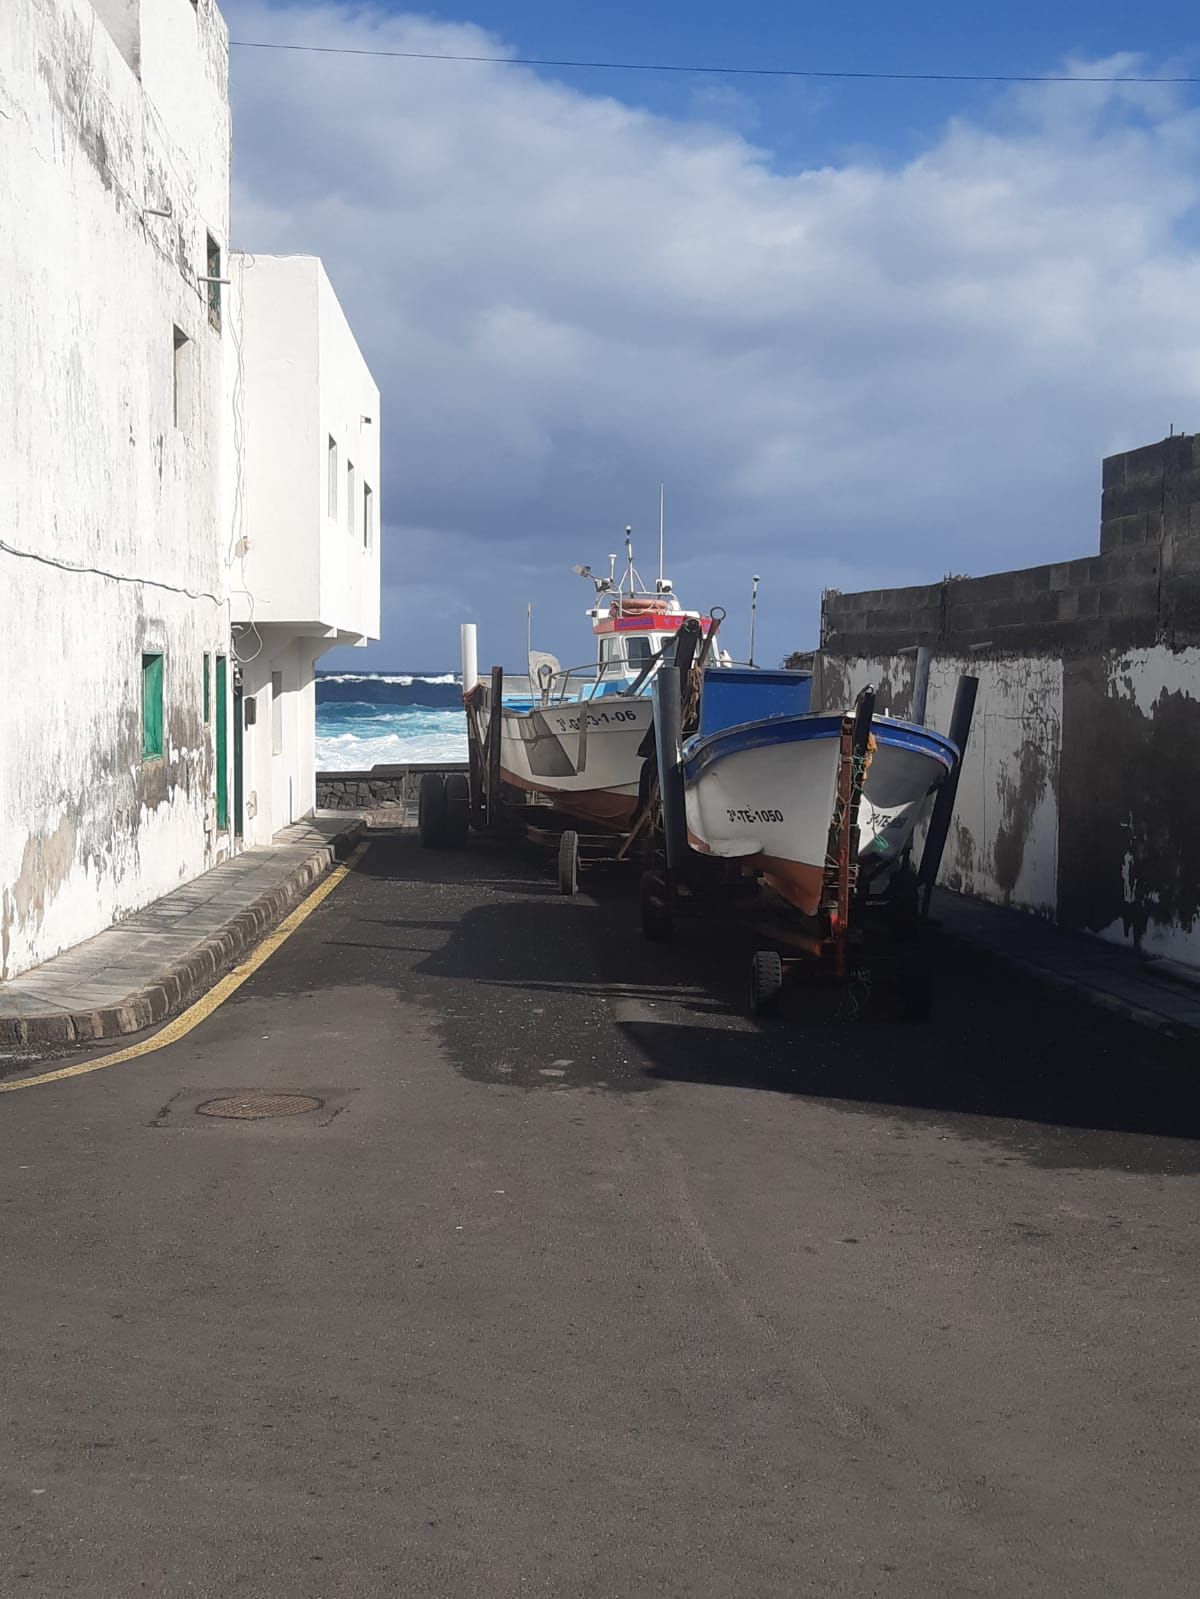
<point x="1019" y="789"/>
<point x="1130" y="850"/>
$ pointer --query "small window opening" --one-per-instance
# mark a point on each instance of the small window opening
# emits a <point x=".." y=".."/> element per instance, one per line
<point x="181" y="396"/>
<point x="207" y="687"/>
<point x="350" y="496"/>
<point x="368" y="516"/>
<point x="332" y="468"/>
<point x="213" y="285"/>
<point x="276" y="713"/>
<point x="637" y="653"/>
<point x="152" y="706"/>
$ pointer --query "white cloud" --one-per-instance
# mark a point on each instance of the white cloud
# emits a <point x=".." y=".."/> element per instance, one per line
<point x="880" y="372"/>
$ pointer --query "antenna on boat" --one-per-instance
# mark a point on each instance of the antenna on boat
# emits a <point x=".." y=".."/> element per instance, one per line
<point x="753" y="615"/>
<point x="629" y="555"/>
<point x="661" y="500"/>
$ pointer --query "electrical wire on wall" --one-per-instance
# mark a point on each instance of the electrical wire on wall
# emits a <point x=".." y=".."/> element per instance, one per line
<point x="112" y="577"/>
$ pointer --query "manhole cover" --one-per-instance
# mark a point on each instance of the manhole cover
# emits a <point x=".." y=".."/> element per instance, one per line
<point x="251" y="1107"/>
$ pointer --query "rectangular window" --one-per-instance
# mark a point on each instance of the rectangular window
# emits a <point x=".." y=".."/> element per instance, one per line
<point x="368" y="516"/>
<point x="276" y="713"/>
<point x="213" y="254"/>
<point x="152" y="706"/>
<point x="350" y="496"/>
<point x="207" y="686"/>
<point x="181" y="400"/>
<point x="332" y="469"/>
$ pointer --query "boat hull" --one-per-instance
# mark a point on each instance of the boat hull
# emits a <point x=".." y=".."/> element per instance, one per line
<point x="540" y="753"/>
<point x="763" y="794"/>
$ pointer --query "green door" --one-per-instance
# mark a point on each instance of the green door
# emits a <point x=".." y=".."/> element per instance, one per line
<point x="222" y="745"/>
<point x="238" y="714"/>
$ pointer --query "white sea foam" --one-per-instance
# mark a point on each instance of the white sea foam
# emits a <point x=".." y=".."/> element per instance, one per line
<point x="355" y="752"/>
<point x="402" y="679"/>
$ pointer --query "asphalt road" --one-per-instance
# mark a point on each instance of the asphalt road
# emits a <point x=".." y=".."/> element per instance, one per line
<point x="579" y="1282"/>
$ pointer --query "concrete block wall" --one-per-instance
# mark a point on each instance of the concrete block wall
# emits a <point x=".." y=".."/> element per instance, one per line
<point x="1143" y="587"/>
<point x="1078" y="794"/>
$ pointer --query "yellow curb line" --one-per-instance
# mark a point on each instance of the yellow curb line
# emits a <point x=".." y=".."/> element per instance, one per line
<point x="216" y="996"/>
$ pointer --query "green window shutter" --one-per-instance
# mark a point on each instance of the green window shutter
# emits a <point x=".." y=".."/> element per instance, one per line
<point x="207" y="686"/>
<point x="152" y="706"/>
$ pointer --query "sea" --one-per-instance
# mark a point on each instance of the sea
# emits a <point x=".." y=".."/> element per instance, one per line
<point x="367" y="719"/>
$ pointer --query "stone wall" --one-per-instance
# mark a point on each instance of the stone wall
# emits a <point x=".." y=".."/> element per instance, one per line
<point x="382" y="785"/>
<point x="1078" y="792"/>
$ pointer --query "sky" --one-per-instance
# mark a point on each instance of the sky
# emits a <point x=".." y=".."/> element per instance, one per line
<point x="866" y="333"/>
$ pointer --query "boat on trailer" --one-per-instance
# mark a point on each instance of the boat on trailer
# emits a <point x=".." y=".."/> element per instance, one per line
<point x="760" y="779"/>
<point x="574" y="738"/>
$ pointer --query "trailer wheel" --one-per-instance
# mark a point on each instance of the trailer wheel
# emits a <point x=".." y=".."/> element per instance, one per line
<point x="766" y="982"/>
<point x="658" y="925"/>
<point x="458" y="810"/>
<point x="431" y="810"/>
<point x="568" y="863"/>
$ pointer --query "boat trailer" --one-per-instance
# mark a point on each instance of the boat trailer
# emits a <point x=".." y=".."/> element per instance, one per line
<point x="870" y="926"/>
<point x="453" y="805"/>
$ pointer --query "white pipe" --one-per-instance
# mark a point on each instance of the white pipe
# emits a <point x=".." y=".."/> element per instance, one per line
<point x="470" y="656"/>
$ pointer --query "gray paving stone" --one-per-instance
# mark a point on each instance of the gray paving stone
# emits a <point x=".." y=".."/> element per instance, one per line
<point x="135" y="971"/>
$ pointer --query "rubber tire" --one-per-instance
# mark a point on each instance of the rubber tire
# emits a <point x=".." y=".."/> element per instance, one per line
<point x="766" y="982"/>
<point x="458" y="811"/>
<point x="431" y="811"/>
<point x="568" y="863"/>
<point x="658" y="925"/>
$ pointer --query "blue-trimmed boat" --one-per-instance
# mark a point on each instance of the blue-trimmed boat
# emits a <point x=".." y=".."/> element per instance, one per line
<point x="760" y="780"/>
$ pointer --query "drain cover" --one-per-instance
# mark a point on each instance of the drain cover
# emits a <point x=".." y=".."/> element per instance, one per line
<point x="251" y="1107"/>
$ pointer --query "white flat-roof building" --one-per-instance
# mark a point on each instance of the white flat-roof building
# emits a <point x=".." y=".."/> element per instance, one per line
<point x="307" y="514"/>
<point x="173" y="555"/>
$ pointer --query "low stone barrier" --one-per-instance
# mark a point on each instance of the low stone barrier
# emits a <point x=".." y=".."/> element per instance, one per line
<point x="382" y="785"/>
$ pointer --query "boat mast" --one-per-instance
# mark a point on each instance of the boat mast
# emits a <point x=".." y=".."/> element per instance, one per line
<point x="753" y="615"/>
<point x="661" y="496"/>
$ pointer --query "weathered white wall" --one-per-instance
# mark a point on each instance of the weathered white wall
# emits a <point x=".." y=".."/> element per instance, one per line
<point x="1077" y="797"/>
<point x="280" y="787"/>
<point x="1003" y="844"/>
<point x="1157" y="692"/>
<point x="93" y="471"/>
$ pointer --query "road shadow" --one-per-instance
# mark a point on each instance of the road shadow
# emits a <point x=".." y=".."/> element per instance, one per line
<point x="529" y="988"/>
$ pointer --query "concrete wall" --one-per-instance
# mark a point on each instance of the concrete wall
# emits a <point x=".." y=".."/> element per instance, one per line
<point x="110" y="511"/>
<point x="300" y="379"/>
<point x="1077" y="799"/>
<point x="307" y="581"/>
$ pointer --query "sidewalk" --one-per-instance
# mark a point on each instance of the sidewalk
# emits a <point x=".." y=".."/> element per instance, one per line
<point x="1136" y="987"/>
<point x="141" y="970"/>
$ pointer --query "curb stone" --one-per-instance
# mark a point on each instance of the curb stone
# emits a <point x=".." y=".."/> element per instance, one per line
<point x="171" y="990"/>
<point x="1113" y="1003"/>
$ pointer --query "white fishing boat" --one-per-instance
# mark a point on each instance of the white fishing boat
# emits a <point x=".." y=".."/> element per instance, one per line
<point x="760" y="782"/>
<point x="574" y="737"/>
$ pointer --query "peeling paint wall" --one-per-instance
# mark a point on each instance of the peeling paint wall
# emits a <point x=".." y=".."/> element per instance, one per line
<point x="1078" y="796"/>
<point x="1004" y="842"/>
<point x="100" y="133"/>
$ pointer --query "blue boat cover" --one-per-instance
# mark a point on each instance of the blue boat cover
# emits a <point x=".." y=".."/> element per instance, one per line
<point x="732" y="695"/>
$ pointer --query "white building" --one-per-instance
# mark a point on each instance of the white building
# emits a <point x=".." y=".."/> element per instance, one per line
<point x="162" y="445"/>
<point x="114" y="189"/>
<point x="307" y="514"/>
